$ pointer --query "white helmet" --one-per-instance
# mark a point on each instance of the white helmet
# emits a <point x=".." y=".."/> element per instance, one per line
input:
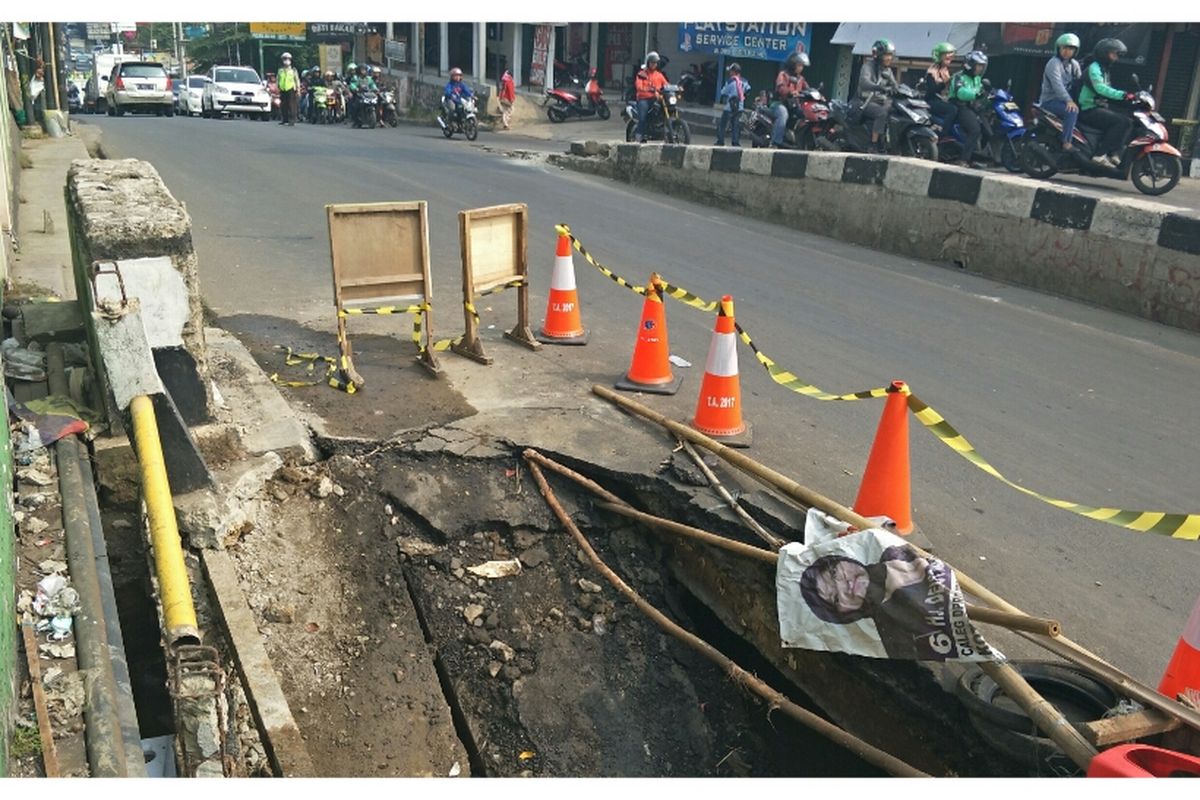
<point x="286" y="57"/>
<point x="652" y="56"/>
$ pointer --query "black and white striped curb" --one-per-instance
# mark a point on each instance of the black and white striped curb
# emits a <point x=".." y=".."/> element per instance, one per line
<point x="1136" y="219"/>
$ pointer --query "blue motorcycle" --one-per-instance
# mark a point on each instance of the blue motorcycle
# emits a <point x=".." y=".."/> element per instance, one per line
<point x="1003" y="117"/>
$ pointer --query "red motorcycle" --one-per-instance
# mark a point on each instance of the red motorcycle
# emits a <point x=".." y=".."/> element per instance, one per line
<point x="568" y="103"/>
<point x="809" y="129"/>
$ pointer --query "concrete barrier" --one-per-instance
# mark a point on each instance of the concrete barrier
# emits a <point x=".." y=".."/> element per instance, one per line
<point x="1123" y="253"/>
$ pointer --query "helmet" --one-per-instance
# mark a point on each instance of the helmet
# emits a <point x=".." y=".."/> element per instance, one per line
<point x="797" y="58"/>
<point x="351" y="67"/>
<point x="1106" y="46"/>
<point x="1067" y="40"/>
<point x="328" y="73"/>
<point x="286" y="57"/>
<point x="362" y="68"/>
<point x="456" y="73"/>
<point x="976" y="58"/>
<point x="734" y="67"/>
<point x="652" y="57"/>
<point x="376" y="71"/>
<point x="882" y="46"/>
<point x="941" y="49"/>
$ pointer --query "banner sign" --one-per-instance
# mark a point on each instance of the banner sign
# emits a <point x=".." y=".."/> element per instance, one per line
<point x="541" y="54"/>
<point x="280" y="31"/>
<point x="769" y="41"/>
<point x="871" y="594"/>
<point x="333" y="31"/>
<point x="1037" y="38"/>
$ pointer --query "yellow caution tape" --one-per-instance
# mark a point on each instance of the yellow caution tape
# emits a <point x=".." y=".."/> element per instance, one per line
<point x="292" y="358"/>
<point x="512" y="284"/>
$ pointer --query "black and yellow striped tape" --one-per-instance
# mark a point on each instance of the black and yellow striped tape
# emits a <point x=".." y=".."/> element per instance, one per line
<point x="292" y="358"/>
<point x="514" y="283"/>
<point x="1178" y="526"/>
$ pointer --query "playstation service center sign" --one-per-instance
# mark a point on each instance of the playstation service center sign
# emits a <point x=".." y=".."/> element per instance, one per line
<point x="770" y="41"/>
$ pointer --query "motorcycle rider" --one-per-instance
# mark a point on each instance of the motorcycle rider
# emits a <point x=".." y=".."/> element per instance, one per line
<point x="876" y="84"/>
<point x="647" y="84"/>
<point x="789" y="83"/>
<point x="733" y="94"/>
<point x="360" y="81"/>
<point x="966" y="89"/>
<point x="1058" y="81"/>
<point x="288" y="80"/>
<point x="455" y="92"/>
<point x="1093" y="103"/>
<point x="937" y="85"/>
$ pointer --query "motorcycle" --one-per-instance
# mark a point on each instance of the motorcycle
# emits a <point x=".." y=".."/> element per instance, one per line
<point x="570" y="104"/>
<point x="699" y="84"/>
<point x="368" y="109"/>
<point x="662" y="121"/>
<point x="387" y="109"/>
<point x="1004" y="118"/>
<point x="908" y="131"/>
<point x="1154" y="165"/>
<point x="319" y="105"/>
<point x="462" y="120"/>
<point x="570" y="72"/>
<point x="337" y="104"/>
<point x="808" y="127"/>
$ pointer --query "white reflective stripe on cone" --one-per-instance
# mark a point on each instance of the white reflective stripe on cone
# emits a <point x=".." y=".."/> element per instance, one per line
<point x="722" y="355"/>
<point x="563" y="277"/>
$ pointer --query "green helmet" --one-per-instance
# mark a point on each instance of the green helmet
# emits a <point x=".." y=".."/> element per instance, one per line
<point x="883" y="46"/>
<point x="1067" y="40"/>
<point x="941" y="49"/>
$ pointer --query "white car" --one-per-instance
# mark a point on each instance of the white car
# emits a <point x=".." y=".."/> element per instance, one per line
<point x="235" y="90"/>
<point x="191" y="95"/>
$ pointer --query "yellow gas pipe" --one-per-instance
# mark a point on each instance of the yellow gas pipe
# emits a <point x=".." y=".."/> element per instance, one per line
<point x="173" y="589"/>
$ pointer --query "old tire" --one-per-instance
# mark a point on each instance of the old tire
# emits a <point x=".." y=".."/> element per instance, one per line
<point x="1080" y="697"/>
<point x="1156" y="173"/>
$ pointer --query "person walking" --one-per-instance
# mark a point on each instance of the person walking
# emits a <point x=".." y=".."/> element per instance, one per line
<point x="288" y="81"/>
<point x="734" y="96"/>
<point x="508" y="96"/>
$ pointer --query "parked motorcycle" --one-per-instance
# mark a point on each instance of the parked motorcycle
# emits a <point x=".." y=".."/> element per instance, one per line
<point x="1148" y="160"/>
<point x="908" y="131"/>
<point x="699" y="84"/>
<point x="567" y="103"/>
<point x="1004" y="118"/>
<point x="808" y="127"/>
<point x="461" y="120"/>
<point x="663" y="122"/>
<point x="387" y="108"/>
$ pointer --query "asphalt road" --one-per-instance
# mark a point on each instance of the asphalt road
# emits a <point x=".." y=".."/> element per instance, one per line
<point x="1073" y="401"/>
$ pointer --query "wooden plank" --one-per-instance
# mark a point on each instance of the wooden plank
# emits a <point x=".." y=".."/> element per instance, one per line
<point x="49" y="752"/>
<point x="383" y="281"/>
<point x="1127" y="727"/>
<point x="269" y="707"/>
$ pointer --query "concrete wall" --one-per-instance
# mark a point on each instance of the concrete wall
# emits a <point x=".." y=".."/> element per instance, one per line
<point x="121" y="210"/>
<point x="8" y="599"/>
<point x="1122" y="253"/>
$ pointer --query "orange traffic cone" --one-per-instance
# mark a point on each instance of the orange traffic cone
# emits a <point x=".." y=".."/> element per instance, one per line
<point x="885" y="488"/>
<point x="651" y="368"/>
<point x="719" y="409"/>
<point x="1183" y="671"/>
<point x="563" y="324"/>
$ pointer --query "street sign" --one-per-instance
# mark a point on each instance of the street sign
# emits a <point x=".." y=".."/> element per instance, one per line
<point x="397" y="50"/>
<point x="99" y="30"/>
<point x="278" y="31"/>
<point x="770" y="41"/>
<point x="334" y="31"/>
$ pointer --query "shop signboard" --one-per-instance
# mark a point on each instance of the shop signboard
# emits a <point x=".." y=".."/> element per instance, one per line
<point x="769" y="41"/>
<point x="279" y="31"/>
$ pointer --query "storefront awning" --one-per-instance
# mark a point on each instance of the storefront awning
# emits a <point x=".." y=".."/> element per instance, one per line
<point x="912" y="39"/>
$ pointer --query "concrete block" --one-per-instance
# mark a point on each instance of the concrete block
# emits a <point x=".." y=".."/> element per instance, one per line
<point x="52" y="322"/>
<point x="865" y="170"/>
<point x="208" y="518"/>
<point x="826" y="166"/>
<point x="671" y="155"/>
<point x="125" y="351"/>
<point x="757" y="161"/>
<point x="649" y="154"/>
<point x="1131" y="219"/>
<point x="1063" y="208"/>
<point x="698" y="158"/>
<point x="959" y="185"/>
<point x="163" y="295"/>
<point x="1181" y="232"/>
<point x="909" y="176"/>
<point x="726" y="159"/>
<point x="788" y="164"/>
<point x="1006" y="195"/>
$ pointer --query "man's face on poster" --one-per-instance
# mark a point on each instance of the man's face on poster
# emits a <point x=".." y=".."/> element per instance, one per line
<point x="844" y="585"/>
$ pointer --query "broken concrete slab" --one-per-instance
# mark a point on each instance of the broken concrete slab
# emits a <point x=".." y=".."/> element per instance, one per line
<point x="52" y="322"/>
<point x="209" y="518"/>
<point x="267" y="421"/>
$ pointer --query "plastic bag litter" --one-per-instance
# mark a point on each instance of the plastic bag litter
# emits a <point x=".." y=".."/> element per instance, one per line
<point x="678" y="361"/>
<point x="497" y="569"/>
<point x="22" y="363"/>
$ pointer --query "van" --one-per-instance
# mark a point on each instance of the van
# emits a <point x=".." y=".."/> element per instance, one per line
<point x="140" y="86"/>
<point x="95" y="94"/>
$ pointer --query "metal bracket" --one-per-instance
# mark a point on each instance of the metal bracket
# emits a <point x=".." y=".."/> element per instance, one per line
<point x="97" y="271"/>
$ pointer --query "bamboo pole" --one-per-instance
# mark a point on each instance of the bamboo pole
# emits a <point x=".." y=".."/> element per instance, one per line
<point x="736" y="674"/>
<point x="716" y="484"/>
<point x="45" y="731"/>
<point x="1061" y="646"/>
<point x="748" y="550"/>
<point x="1015" y="622"/>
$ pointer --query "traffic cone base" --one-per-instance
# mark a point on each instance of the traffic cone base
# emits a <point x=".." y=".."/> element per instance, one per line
<point x="885" y="489"/>
<point x="563" y="324"/>
<point x="743" y="439"/>
<point x="650" y="370"/>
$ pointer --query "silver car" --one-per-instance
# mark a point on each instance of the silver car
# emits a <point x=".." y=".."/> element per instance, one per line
<point x="139" y="86"/>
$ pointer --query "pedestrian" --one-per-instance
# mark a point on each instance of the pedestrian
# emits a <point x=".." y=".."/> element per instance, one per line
<point x="734" y="95"/>
<point x="288" y="81"/>
<point x="508" y="95"/>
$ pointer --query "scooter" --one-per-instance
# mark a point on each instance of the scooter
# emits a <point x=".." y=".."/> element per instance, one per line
<point x="663" y="122"/>
<point x="908" y="131"/>
<point x="570" y="104"/>
<point x="1154" y="165"/>
<point x="1004" y="118"/>
<point x="462" y="120"/>
<point x="387" y="108"/>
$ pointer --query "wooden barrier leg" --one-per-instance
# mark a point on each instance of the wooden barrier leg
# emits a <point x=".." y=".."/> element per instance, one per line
<point x="521" y="333"/>
<point x="428" y="358"/>
<point x="470" y="346"/>
<point x="349" y="373"/>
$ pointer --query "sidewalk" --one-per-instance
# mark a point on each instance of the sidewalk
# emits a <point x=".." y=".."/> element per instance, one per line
<point x="44" y="259"/>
